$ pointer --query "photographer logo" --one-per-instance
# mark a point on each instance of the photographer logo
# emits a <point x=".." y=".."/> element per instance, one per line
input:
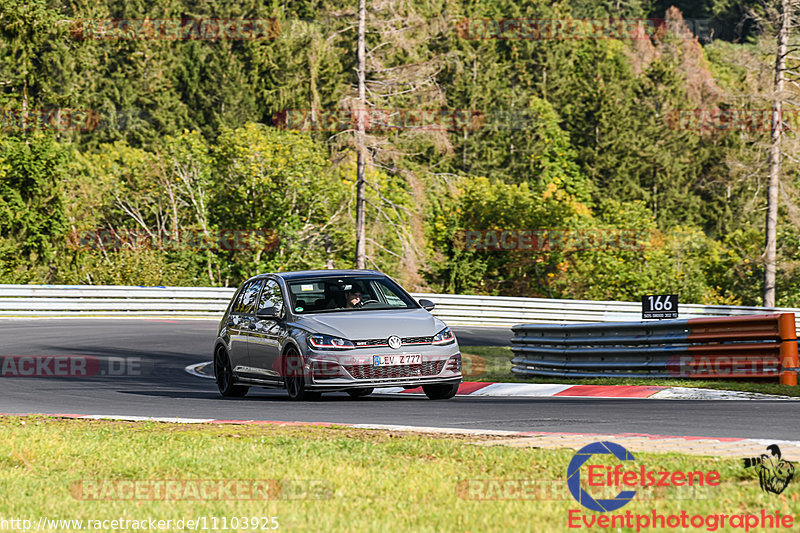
<point x="774" y="472"/>
<point x="574" y="477"/>
<point x="611" y="478"/>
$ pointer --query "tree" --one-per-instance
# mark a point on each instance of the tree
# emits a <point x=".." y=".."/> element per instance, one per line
<point x="34" y="56"/>
<point x="770" y="263"/>
<point x="360" y="147"/>
<point x="32" y="221"/>
<point x="282" y="182"/>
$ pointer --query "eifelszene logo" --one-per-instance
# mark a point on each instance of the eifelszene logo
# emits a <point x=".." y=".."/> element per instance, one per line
<point x="574" y="477"/>
<point x="774" y="472"/>
<point x="615" y="477"/>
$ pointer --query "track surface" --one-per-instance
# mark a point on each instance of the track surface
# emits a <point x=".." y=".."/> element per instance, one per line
<point x="160" y="387"/>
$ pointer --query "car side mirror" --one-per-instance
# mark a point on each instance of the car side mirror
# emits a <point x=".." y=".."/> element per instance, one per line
<point x="266" y="313"/>
<point x="427" y="305"/>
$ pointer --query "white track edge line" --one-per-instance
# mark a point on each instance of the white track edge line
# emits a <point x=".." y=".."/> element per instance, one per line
<point x="192" y="369"/>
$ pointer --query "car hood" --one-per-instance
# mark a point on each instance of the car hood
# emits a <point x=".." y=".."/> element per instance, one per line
<point x="378" y="324"/>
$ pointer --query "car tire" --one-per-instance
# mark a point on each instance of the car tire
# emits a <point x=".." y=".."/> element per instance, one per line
<point x="296" y="385"/>
<point x="440" y="391"/>
<point x="224" y="376"/>
<point x="360" y="393"/>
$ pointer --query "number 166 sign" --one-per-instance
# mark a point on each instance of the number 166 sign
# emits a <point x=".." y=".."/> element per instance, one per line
<point x="659" y="306"/>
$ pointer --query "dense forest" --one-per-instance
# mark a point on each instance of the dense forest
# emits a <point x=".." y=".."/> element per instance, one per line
<point x="199" y="142"/>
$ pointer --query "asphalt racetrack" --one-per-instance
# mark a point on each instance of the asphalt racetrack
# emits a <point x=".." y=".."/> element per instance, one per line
<point x="137" y="368"/>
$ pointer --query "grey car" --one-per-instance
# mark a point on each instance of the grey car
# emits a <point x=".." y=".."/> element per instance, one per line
<point x="333" y="330"/>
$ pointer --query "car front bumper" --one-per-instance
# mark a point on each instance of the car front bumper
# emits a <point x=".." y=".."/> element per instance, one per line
<point x="354" y="369"/>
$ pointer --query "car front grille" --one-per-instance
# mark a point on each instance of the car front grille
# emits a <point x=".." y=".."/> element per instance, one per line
<point x="385" y="342"/>
<point x="417" y="340"/>
<point x="372" y="342"/>
<point x="427" y="368"/>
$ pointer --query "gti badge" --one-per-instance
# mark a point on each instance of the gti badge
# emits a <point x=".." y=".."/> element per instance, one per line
<point x="395" y="342"/>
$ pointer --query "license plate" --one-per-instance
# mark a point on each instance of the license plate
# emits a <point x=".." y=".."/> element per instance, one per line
<point x="397" y="359"/>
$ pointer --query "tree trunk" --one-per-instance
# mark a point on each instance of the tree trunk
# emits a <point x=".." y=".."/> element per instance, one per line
<point x="775" y="158"/>
<point x="360" y="147"/>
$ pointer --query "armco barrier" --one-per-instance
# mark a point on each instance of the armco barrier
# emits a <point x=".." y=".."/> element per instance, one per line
<point x="469" y="310"/>
<point x="210" y="302"/>
<point x="113" y="300"/>
<point x="722" y="347"/>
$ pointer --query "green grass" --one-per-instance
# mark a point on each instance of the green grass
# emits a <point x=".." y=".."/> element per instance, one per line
<point x="372" y="481"/>
<point x="493" y="363"/>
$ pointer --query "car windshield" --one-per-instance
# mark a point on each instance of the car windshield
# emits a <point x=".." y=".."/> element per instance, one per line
<point x="331" y="294"/>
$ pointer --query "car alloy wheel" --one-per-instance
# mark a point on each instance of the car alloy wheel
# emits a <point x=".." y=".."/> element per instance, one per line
<point x="296" y="384"/>
<point x="440" y="391"/>
<point x="224" y="376"/>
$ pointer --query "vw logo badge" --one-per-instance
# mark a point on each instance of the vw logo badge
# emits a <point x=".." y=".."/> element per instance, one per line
<point x="395" y="342"/>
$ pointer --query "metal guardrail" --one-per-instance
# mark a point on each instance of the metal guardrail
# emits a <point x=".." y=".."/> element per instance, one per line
<point x="210" y="302"/>
<point x="719" y="347"/>
<point x="112" y="300"/>
<point x="461" y="310"/>
<point x="507" y="311"/>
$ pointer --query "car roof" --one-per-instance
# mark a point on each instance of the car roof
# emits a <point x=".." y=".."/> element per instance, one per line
<point x="288" y="276"/>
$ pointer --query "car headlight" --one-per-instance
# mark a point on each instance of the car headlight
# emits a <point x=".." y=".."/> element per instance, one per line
<point x="444" y="337"/>
<point x="328" y="342"/>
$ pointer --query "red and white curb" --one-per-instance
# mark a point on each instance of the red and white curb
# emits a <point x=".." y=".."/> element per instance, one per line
<point x="544" y="390"/>
<point x="539" y="390"/>
<point x="709" y="446"/>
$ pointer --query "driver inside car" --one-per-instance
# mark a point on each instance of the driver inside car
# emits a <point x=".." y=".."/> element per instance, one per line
<point x="353" y="297"/>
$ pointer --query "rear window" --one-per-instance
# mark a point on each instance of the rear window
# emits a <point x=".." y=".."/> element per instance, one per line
<point x="327" y="295"/>
<point x="246" y="300"/>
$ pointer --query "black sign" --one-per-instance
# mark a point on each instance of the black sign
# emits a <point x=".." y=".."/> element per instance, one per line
<point x="659" y="306"/>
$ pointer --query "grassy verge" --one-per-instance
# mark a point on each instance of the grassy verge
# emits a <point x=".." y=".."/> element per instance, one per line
<point x="337" y="479"/>
<point x="493" y="363"/>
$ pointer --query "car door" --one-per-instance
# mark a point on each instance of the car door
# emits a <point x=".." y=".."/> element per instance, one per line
<point x="264" y="343"/>
<point x="241" y="323"/>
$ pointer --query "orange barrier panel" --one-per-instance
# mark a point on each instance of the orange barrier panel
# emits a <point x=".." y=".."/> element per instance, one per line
<point x="735" y="328"/>
<point x="789" y="360"/>
<point x="730" y="330"/>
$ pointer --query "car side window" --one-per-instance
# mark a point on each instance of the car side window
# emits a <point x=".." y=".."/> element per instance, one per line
<point x="272" y="296"/>
<point x="391" y="298"/>
<point x="245" y="302"/>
